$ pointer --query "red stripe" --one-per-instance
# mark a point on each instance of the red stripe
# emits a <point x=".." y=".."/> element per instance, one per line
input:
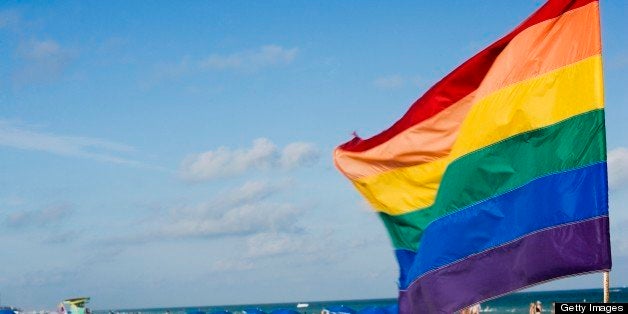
<point x="462" y="81"/>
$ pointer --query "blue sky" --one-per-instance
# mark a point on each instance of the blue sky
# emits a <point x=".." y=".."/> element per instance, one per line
<point x="179" y="153"/>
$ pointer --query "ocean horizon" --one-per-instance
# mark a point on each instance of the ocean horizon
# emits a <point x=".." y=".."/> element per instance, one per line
<point x="511" y="303"/>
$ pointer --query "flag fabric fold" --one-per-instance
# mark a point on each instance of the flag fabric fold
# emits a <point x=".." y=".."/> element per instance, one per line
<point x="495" y="179"/>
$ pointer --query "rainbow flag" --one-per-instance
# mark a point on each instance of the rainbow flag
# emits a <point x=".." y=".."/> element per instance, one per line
<point x="495" y="179"/>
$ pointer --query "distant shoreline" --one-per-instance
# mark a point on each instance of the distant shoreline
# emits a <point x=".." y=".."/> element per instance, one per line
<point x="516" y="300"/>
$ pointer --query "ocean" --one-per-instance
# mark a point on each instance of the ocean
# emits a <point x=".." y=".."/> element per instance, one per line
<point x="513" y="303"/>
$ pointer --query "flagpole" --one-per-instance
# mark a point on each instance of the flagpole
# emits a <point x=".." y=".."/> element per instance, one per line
<point x="607" y="294"/>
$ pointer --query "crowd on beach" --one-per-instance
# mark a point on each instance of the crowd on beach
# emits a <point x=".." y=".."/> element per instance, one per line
<point x="535" y="308"/>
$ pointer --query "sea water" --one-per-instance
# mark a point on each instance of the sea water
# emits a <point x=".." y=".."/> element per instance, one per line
<point x="513" y="303"/>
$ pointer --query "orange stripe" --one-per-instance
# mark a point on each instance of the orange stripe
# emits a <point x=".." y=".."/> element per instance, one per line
<point x="539" y="49"/>
<point x="424" y="142"/>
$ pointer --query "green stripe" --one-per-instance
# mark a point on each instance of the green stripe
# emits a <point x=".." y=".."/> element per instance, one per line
<point x="504" y="166"/>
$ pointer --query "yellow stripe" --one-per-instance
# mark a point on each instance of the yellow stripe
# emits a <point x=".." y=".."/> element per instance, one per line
<point x="522" y="107"/>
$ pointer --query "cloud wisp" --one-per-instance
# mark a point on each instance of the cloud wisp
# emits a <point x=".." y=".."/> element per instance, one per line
<point x="245" y="62"/>
<point x="262" y="155"/>
<point x="38" y="218"/>
<point x="19" y="136"/>
<point x="240" y="220"/>
<point x="252" y="60"/>
<point x="41" y="61"/>
<point x="618" y="168"/>
<point x="242" y="211"/>
<point x="273" y="243"/>
<point x="239" y="212"/>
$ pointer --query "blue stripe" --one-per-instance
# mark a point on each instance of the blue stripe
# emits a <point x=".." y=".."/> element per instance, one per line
<point x="545" y="202"/>
<point x="404" y="259"/>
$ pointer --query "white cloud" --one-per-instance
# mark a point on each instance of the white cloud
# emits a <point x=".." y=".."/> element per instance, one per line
<point x="248" y="61"/>
<point x="298" y="154"/>
<point x="617" y="167"/>
<point x="263" y="155"/>
<point x="39" y="50"/>
<point x="239" y="212"/>
<point x="22" y="137"/>
<point x="249" y="192"/>
<point x="38" y="218"/>
<point x="41" y="61"/>
<point x="35" y="61"/>
<point x="240" y="220"/>
<point x="272" y="243"/>
<point x="265" y="56"/>
<point x="224" y="161"/>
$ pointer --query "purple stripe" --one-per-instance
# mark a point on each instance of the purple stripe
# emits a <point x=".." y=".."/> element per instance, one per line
<point x="557" y="252"/>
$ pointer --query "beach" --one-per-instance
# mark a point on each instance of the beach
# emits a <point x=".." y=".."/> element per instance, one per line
<point x="513" y="303"/>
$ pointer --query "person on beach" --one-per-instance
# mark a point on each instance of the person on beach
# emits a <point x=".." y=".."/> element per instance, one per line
<point x="473" y="309"/>
<point x="532" y="309"/>
<point x="538" y="308"/>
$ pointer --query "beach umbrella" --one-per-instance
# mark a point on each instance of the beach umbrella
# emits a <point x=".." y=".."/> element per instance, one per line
<point x="254" y="311"/>
<point x="392" y="309"/>
<point x="284" y="311"/>
<point x="340" y="309"/>
<point x="372" y="310"/>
